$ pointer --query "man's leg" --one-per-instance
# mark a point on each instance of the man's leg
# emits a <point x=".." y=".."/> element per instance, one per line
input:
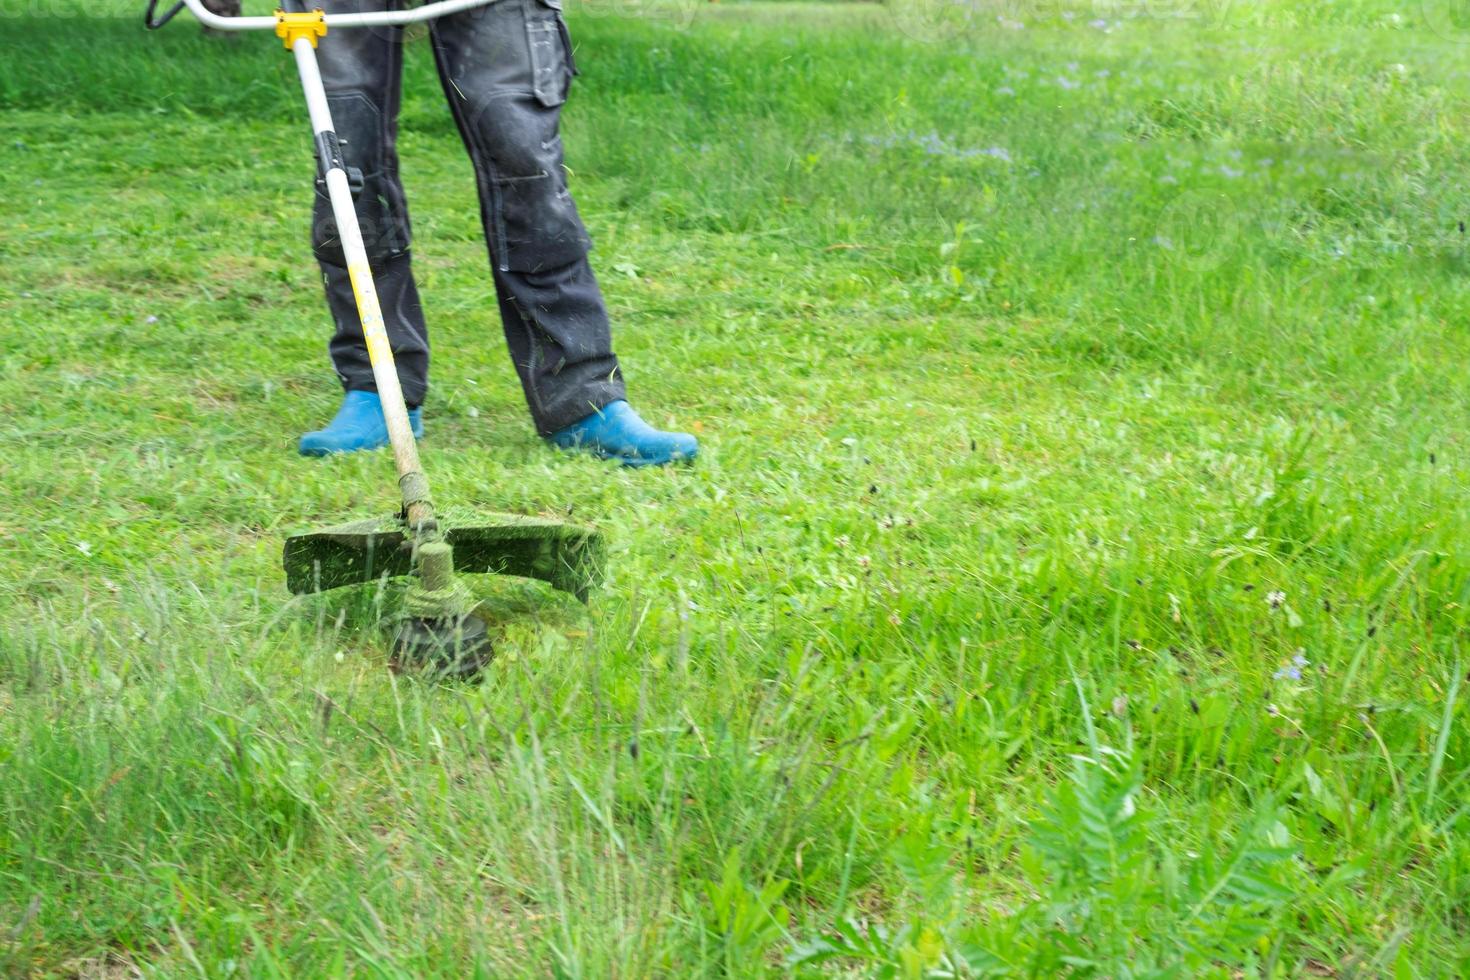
<point x="505" y="70"/>
<point x="361" y="70"/>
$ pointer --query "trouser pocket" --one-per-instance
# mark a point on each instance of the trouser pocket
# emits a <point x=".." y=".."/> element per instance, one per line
<point x="552" y="66"/>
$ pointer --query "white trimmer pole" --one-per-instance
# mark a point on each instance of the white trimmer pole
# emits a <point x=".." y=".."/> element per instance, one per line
<point x="411" y="479"/>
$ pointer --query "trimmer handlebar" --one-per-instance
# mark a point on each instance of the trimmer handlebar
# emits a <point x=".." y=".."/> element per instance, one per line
<point x="383" y="18"/>
<point x="154" y="25"/>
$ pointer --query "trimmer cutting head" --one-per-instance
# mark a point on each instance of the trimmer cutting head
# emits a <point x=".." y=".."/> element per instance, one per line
<point x="567" y="557"/>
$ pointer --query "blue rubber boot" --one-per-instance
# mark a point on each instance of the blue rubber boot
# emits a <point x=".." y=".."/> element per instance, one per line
<point x="616" y="432"/>
<point x="359" y="425"/>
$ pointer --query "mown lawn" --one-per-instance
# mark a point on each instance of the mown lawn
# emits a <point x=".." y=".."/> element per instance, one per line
<point x="1074" y="580"/>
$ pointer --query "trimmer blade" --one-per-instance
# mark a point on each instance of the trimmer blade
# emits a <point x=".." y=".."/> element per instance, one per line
<point x="566" y="556"/>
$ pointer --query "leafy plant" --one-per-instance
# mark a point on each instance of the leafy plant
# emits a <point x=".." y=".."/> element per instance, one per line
<point x="743" y="921"/>
<point x="1113" y="897"/>
<point x="1121" y="897"/>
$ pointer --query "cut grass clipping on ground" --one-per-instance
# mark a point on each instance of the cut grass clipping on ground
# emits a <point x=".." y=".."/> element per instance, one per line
<point x="1073" y="581"/>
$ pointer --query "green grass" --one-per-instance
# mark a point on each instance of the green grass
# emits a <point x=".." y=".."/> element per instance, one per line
<point x="1058" y="386"/>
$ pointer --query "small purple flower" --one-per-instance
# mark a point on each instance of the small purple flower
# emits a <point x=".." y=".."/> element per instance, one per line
<point x="1293" y="670"/>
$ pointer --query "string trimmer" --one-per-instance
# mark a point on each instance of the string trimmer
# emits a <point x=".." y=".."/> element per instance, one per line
<point x="439" y="626"/>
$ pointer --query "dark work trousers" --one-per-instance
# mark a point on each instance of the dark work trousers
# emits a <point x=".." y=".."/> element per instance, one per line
<point x="505" y="70"/>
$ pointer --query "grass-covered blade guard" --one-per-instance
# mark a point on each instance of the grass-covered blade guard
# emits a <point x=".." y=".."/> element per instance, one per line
<point x="568" y="558"/>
